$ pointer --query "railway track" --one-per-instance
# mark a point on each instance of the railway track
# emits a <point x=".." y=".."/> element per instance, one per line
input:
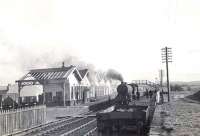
<point x="87" y="129"/>
<point x="81" y="125"/>
<point x="72" y="126"/>
<point x="92" y="132"/>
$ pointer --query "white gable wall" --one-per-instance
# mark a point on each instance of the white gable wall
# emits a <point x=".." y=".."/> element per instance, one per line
<point x="73" y="81"/>
<point x="85" y="81"/>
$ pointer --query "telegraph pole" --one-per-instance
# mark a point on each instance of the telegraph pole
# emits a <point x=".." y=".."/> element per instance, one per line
<point x="166" y="58"/>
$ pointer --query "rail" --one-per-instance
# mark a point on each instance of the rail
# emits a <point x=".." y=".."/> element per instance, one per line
<point x="91" y="132"/>
<point x="62" y="128"/>
<point x="84" y="129"/>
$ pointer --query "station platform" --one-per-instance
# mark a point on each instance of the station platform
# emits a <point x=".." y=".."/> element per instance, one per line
<point x="59" y="112"/>
<point x="166" y="115"/>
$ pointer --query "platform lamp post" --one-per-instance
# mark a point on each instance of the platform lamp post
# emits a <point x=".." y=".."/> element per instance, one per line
<point x="166" y="58"/>
<point x="161" y="74"/>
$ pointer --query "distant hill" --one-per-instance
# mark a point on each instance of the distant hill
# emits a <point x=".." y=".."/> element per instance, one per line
<point x="191" y="83"/>
<point x="195" y="96"/>
<point x="197" y="83"/>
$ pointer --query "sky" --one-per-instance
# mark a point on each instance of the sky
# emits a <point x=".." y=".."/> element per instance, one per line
<point x="122" y="35"/>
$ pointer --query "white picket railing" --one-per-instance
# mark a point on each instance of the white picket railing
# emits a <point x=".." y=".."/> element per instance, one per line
<point x="23" y="118"/>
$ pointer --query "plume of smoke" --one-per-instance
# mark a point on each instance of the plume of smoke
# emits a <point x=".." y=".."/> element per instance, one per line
<point x="75" y="61"/>
<point x="113" y="74"/>
<point x="24" y="58"/>
<point x="51" y="59"/>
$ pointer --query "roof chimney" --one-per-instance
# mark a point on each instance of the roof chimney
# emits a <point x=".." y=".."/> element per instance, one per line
<point x="8" y="86"/>
<point x="63" y="64"/>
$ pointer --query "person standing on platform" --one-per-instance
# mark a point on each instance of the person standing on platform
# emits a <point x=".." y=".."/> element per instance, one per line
<point x="150" y="93"/>
<point x="161" y="97"/>
<point x="138" y="95"/>
<point x="147" y="93"/>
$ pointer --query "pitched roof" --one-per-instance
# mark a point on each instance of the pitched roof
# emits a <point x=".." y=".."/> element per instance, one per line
<point x="51" y="73"/>
<point x="83" y="72"/>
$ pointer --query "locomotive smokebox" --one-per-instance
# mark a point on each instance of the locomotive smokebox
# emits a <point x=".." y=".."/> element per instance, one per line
<point x="124" y="95"/>
<point x="122" y="89"/>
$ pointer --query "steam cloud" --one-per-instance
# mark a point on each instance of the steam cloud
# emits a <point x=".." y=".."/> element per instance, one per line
<point x="113" y="74"/>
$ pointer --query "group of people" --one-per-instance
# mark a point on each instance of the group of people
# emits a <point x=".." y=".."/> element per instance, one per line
<point x="136" y="96"/>
<point x="149" y="93"/>
<point x="124" y="96"/>
<point x="159" y="95"/>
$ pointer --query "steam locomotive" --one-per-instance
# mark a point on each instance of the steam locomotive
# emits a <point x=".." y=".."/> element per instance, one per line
<point x="126" y="116"/>
<point x="126" y="93"/>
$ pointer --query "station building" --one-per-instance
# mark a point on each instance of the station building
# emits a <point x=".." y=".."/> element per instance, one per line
<point x="61" y="86"/>
<point x="65" y="86"/>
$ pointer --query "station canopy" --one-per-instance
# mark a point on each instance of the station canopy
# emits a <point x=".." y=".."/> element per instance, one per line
<point x="39" y="76"/>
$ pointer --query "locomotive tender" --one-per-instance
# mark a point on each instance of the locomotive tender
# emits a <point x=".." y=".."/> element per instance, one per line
<point x="126" y="116"/>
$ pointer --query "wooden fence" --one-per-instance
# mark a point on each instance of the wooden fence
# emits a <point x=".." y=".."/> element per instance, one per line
<point x="19" y="119"/>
